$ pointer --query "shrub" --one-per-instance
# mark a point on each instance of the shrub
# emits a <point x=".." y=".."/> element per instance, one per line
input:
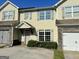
<point x="49" y="45"/>
<point x="32" y="43"/>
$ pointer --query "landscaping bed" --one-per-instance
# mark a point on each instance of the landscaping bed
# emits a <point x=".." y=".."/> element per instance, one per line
<point x="48" y="45"/>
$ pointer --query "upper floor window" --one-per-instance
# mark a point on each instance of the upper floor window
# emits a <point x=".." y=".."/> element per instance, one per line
<point x="71" y="11"/>
<point x="44" y="35"/>
<point x="45" y="15"/>
<point x="28" y="16"/>
<point x="76" y="11"/>
<point x="8" y="15"/>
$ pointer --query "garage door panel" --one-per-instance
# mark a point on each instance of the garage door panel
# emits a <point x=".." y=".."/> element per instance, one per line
<point x="0" y="36"/>
<point x="71" y="41"/>
<point x="4" y="37"/>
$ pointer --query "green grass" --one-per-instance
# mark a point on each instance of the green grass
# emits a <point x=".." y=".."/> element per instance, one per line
<point x="58" y="54"/>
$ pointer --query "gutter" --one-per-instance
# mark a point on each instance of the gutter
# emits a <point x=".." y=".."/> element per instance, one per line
<point x="36" y="9"/>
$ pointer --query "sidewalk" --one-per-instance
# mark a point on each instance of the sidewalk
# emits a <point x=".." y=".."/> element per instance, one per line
<point x="71" y="55"/>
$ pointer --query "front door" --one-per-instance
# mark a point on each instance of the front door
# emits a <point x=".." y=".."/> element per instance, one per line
<point x="26" y="36"/>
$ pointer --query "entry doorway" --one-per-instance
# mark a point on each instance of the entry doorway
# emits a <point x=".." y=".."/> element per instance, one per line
<point x="25" y="37"/>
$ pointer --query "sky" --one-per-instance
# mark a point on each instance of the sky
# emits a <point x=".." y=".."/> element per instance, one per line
<point x="32" y="3"/>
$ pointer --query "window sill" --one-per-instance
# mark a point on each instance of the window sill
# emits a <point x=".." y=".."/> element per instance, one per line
<point x="46" y="20"/>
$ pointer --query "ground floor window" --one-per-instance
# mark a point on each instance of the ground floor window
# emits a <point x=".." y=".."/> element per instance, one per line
<point x="44" y="35"/>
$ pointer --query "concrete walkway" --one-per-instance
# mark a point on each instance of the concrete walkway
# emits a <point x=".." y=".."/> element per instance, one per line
<point x="71" y="55"/>
<point x="20" y="52"/>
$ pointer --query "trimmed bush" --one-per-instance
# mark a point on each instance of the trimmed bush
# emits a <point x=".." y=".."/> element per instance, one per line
<point x="49" y="45"/>
<point x="32" y="43"/>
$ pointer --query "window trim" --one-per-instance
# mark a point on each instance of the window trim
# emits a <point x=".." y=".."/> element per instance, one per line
<point x="9" y="19"/>
<point x="45" y="14"/>
<point x="72" y="12"/>
<point x="44" y="30"/>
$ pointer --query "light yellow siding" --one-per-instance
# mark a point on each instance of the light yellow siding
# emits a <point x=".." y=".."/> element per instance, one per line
<point x="9" y="7"/>
<point x="59" y="12"/>
<point x="41" y="24"/>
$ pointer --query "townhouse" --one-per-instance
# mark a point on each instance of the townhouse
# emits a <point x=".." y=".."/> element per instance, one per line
<point x="57" y="21"/>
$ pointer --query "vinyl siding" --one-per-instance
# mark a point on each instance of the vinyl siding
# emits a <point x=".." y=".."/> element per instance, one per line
<point x="59" y="11"/>
<point x="42" y="24"/>
<point x="9" y="7"/>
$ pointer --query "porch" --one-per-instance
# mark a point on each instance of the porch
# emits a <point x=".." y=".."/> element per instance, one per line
<point x="26" y="32"/>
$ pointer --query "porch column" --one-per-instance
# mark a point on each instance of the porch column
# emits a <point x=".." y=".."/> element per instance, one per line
<point x="23" y="41"/>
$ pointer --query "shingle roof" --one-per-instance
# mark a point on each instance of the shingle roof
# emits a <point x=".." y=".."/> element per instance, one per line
<point x="32" y="3"/>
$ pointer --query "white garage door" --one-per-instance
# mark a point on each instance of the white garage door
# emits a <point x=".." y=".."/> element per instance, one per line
<point x="71" y="41"/>
<point x="4" y="37"/>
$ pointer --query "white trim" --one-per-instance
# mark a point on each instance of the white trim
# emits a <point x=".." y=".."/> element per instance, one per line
<point x="72" y="12"/>
<point x="45" y="14"/>
<point x="44" y="30"/>
<point x="58" y="3"/>
<point x="3" y="17"/>
<point x="7" y="3"/>
<point x="24" y="23"/>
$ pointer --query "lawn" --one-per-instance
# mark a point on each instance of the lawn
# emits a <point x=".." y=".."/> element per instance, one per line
<point x="58" y="54"/>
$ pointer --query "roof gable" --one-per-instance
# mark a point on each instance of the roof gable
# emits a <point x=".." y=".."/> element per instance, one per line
<point x="6" y="3"/>
<point x="24" y="24"/>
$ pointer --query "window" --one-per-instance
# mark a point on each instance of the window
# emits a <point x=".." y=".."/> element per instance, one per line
<point x="47" y="35"/>
<point x="8" y="15"/>
<point x="41" y="15"/>
<point x="68" y="12"/>
<point x="27" y="16"/>
<point x="45" y="15"/>
<point x="71" y="11"/>
<point x="48" y="15"/>
<point x="76" y="11"/>
<point x="44" y="35"/>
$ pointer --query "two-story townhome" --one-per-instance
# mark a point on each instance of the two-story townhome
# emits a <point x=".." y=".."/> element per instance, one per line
<point x="22" y="20"/>
<point x="67" y="21"/>
<point x="58" y="21"/>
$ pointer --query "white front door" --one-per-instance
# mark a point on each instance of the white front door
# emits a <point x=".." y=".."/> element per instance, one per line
<point x="25" y="36"/>
<point x="71" y="41"/>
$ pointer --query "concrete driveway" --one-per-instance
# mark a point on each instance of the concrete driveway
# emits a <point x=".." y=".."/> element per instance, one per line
<point x="20" y="52"/>
<point x="71" y="55"/>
